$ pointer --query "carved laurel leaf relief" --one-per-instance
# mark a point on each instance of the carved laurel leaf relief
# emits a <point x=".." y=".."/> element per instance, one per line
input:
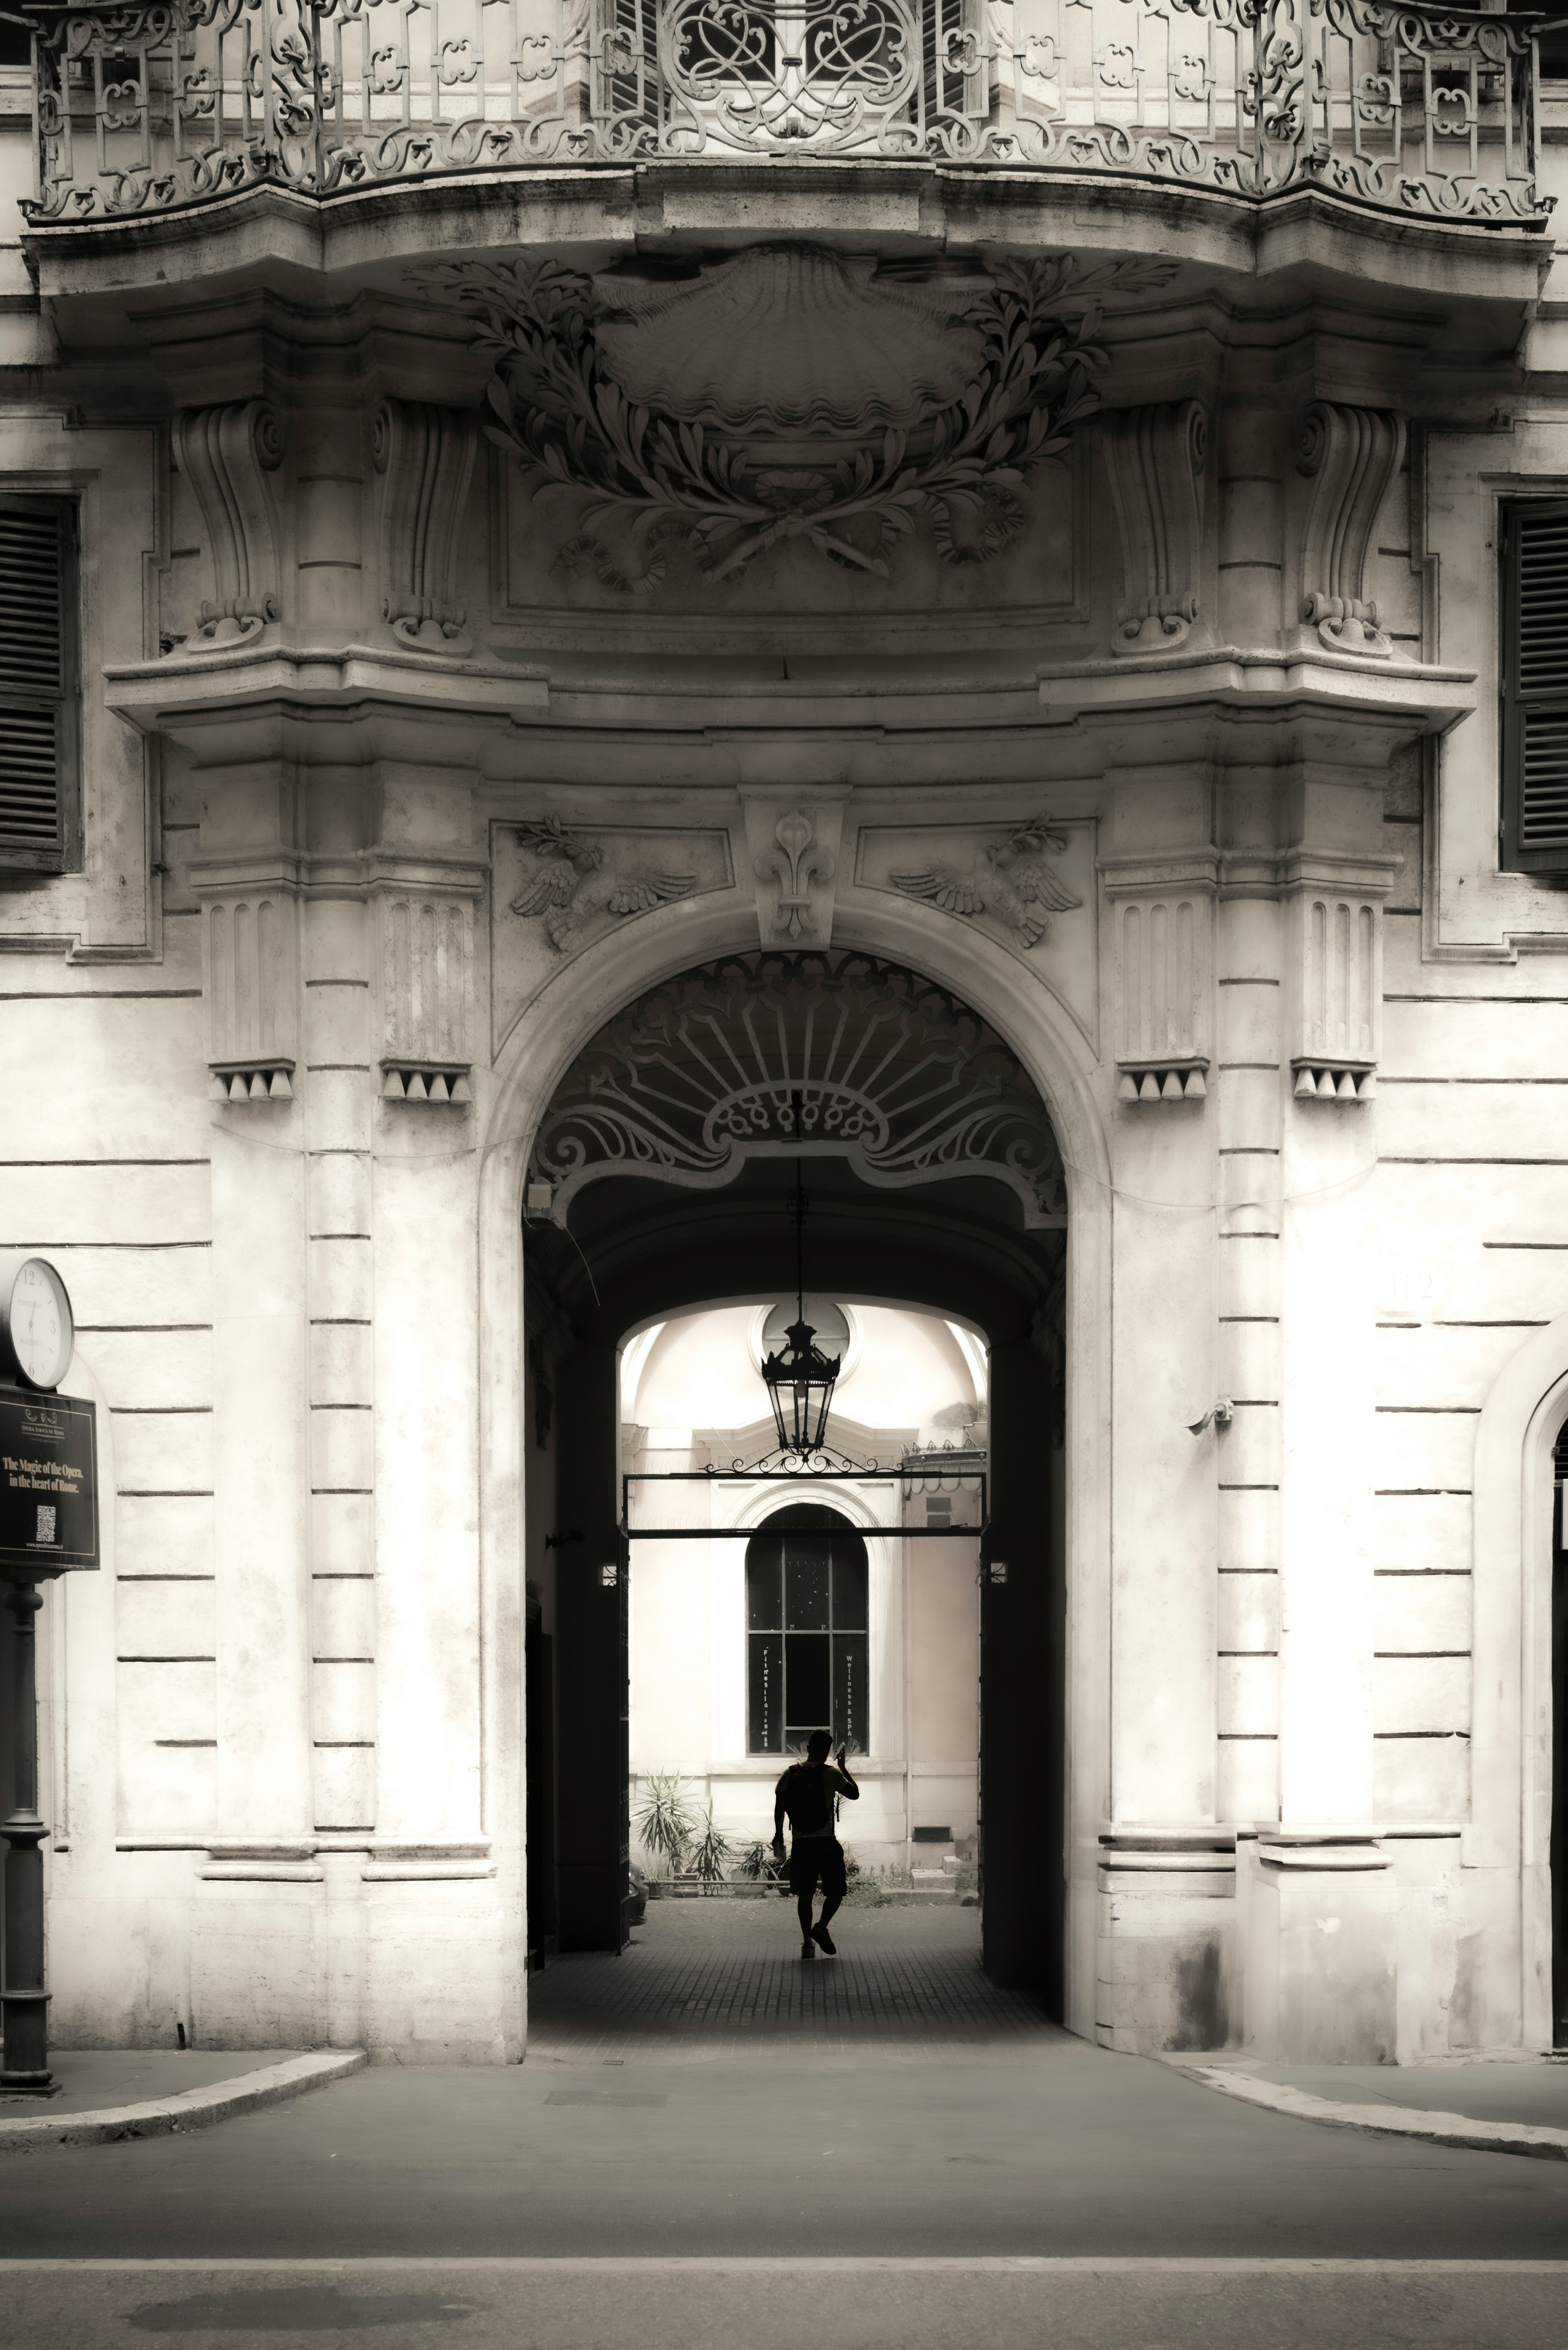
<point x="788" y="394"/>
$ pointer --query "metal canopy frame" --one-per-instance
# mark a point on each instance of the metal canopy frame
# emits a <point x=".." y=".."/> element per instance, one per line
<point x="969" y="1481"/>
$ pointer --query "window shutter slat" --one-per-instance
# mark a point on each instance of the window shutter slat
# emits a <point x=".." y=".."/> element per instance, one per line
<point x="1535" y="687"/>
<point x="29" y="781"/>
<point x="1544" y="802"/>
<point x="1543" y="602"/>
<point x="30" y="631"/>
<point x="35" y="661"/>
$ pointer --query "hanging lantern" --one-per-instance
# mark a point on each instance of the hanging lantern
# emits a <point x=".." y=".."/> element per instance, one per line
<point x="800" y="1381"/>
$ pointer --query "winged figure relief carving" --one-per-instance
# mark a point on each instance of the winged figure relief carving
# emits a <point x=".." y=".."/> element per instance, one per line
<point x="1009" y="879"/>
<point x="573" y="885"/>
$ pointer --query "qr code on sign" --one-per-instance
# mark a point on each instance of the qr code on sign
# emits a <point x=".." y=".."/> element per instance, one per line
<point x="46" y="1522"/>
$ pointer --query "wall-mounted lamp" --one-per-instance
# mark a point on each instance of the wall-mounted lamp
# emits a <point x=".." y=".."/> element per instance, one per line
<point x="1221" y="1414"/>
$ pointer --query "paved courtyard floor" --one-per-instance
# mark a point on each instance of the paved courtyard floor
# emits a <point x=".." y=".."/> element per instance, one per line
<point x="703" y="1980"/>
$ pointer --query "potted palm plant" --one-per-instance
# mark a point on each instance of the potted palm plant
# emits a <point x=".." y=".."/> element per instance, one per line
<point x="665" y="1822"/>
<point x="710" y="1852"/>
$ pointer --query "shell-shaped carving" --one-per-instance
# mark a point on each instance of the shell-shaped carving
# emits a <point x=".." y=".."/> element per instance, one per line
<point x="786" y="338"/>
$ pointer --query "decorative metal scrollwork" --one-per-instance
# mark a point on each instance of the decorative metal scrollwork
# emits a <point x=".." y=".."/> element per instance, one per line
<point x="819" y="73"/>
<point x="1407" y="109"/>
<point x="773" y="1051"/>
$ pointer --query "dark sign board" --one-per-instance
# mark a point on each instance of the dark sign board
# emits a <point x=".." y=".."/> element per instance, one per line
<point x="48" y="1482"/>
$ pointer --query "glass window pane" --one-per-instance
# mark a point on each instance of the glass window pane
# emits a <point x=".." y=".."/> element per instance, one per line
<point x="765" y="1693"/>
<point x="764" y="1587"/>
<point x="848" y="1591"/>
<point x="808" y="1696"/>
<point x="806" y="1584"/>
<point x="851" y="1713"/>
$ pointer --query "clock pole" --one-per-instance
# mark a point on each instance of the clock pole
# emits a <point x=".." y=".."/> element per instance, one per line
<point x="48" y="1527"/>
<point x="24" y="2000"/>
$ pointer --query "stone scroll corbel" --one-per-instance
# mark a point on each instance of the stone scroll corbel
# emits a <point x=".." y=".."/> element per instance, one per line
<point x="424" y="456"/>
<point x="1350" y="455"/>
<point x="1157" y="457"/>
<point x="227" y="455"/>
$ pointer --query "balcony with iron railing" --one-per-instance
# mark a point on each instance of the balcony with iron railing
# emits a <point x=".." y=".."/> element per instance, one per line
<point x="161" y="106"/>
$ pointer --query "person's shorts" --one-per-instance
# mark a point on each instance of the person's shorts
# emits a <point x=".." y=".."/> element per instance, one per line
<point x="812" y="1858"/>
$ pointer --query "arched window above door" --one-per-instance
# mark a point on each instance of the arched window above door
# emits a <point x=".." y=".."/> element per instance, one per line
<point x="807" y="1662"/>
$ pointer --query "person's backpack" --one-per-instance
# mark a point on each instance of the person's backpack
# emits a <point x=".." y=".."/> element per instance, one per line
<point x="805" y="1797"/>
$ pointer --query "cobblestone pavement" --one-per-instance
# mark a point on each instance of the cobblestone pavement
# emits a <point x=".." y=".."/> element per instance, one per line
<point x="708" y="1979"/>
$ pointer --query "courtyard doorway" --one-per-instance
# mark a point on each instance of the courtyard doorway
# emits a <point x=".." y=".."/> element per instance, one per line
<point x="1559" y="1844"/>
<point x="660" y="1192"/>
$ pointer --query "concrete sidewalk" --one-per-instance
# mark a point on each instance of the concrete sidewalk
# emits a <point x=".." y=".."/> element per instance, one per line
<point x="1526" y="2088"/>
<point x="108" y="2094"/>
<point x="1510" y="2103"/>
<point x="91" y="2077"/>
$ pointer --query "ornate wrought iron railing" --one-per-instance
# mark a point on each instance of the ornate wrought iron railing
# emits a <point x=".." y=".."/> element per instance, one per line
<point x="159" y="104"/>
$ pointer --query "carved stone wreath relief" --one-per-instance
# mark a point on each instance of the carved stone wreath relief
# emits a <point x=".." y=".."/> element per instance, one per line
<point x="785" y="393"/>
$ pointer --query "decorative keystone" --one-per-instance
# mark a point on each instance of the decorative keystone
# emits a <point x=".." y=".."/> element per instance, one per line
<point x="426" y="1081"/>
<point x="1161" y="1081"/>
<point x="1318" y="1082"/>
<point x="238" y="1081"/>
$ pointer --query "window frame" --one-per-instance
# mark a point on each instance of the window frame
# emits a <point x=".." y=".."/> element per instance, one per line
<point x="1514" y="706"/>
<point x="66" y="853"/>
<point x="772" y="1530"/>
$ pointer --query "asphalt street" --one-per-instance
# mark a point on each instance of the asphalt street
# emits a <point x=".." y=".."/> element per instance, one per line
<point x="778" y="2305"/>
<point x="1071" y="2151"/>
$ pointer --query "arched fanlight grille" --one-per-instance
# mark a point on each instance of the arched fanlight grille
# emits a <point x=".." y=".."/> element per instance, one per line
<point x="780" y="1050"/>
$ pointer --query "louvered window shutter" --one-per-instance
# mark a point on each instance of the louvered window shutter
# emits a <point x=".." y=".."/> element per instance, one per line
<point x="39" y="799"/>
<point x="1535" y="687"/>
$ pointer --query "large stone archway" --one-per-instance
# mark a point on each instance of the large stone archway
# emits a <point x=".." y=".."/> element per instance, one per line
<point x="1513" y="1729"/>
<point x="1054" y="1065"/>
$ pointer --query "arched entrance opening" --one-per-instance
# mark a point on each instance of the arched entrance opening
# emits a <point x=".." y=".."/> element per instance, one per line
<point x="1559" y="1844"/>
<point x="662" y="1179"/>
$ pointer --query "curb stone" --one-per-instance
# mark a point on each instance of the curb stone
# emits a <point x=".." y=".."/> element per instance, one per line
<point x="1388" y="2121"/>
<point x="191" y="2109"/>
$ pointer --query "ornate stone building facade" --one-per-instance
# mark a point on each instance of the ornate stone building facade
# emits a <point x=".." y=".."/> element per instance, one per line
<point x="597" y="597"/>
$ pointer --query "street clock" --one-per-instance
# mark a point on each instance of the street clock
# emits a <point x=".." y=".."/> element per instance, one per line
<point x="37" y="1334"/>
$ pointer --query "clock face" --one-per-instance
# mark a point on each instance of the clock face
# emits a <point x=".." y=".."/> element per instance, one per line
<point x="42" y="1334"/>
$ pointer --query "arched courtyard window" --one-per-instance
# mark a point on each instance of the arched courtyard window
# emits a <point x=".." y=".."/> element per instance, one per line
<point x="806" y="1663"/>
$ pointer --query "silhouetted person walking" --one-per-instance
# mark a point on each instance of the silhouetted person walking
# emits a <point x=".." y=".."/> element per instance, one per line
<point x="806" y="1793"/>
